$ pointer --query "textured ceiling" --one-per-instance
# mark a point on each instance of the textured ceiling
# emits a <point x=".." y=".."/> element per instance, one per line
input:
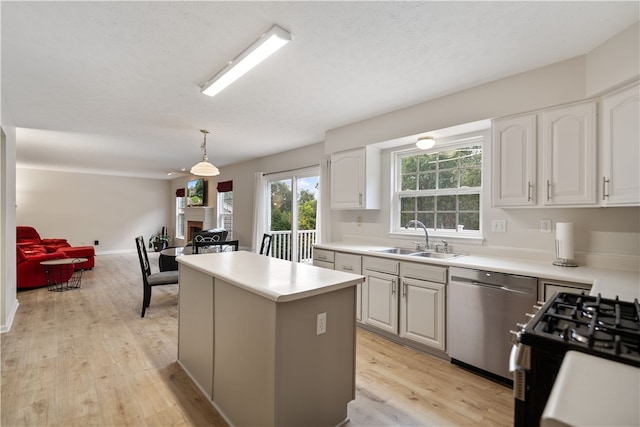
<point x="114" y="87"/>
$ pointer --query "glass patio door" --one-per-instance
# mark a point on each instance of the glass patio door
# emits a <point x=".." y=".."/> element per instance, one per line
<point x="293" y="211"/>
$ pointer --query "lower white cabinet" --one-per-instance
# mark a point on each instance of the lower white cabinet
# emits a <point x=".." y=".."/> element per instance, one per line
<point x="547" y="288"/>
<point x="351" y="264"/>
<point x="323" y="258"/>
<point x="405" y="299"/>
<point x="380" y="293"/>
<point x="380" y="301"/>
<point x="422" y="304"/>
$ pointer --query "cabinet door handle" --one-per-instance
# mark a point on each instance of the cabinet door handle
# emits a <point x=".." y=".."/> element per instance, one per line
<point x="548" y="190"/>
<point x="529" y="191"/>
<point x="404" y="290"/>
<point x="347" y="268"/>
<point x="605" y="181"/>
<point x="393" y="287"/>
<point x="360" y="199"/>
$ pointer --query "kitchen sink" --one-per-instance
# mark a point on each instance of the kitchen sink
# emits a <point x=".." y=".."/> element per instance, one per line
<point x="439" y="255"/>
<point x="415" y="252"/>
<point x="395" y="251"/>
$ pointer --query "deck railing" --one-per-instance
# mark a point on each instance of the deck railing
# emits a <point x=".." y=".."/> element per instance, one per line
<point x="282" y="247"/>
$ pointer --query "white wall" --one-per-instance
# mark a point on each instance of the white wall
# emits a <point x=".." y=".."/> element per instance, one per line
<point x="8" y="300"/>
<point x="552" y="85"/>
<point x="85" y="207"/>
<point x="242" y="175"/>
<point x="615" y="61"/>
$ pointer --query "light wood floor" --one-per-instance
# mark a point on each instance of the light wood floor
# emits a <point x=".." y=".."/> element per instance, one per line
<point x="85" y="357"/>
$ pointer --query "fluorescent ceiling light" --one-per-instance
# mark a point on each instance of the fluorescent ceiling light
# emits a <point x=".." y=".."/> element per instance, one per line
<point x="267" y="44"/>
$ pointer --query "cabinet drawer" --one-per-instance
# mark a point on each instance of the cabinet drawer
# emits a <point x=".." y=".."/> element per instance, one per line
<point x="382" y="265"/>
<point x="348" y="262"/>
<point x="431" y="273"/>
<point x="323" y="264"/>
<point x="323" y="255"/>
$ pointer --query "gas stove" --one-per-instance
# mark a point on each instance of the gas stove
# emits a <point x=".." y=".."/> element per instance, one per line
<point x="601" y="327"/>
<point x="598" y="326"/>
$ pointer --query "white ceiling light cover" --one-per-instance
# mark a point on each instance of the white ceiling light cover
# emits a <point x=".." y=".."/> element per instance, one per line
<point x="264" y="47"/>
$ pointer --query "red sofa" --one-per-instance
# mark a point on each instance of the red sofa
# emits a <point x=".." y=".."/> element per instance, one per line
<point x="31" y="250"/>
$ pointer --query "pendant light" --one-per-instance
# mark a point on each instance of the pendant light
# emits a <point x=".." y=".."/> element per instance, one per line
<point x="425" y="142"/>
<point x="204" y="168"/>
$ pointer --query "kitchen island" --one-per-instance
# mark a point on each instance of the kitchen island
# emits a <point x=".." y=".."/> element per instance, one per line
<point x="250" y="336"/>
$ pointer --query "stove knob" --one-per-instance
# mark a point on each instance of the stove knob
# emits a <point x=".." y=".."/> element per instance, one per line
<point x="521" y="325"/>
<point x="537" y="307"/>
<point x="514" y="337"/>
<point x="529" y="315"/>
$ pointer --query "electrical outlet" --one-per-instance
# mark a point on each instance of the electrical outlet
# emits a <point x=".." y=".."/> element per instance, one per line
<point x="499" y="225"/>
<point x="545" y="226"/>
<point x="321" y="324"/>
<point x="96" y="242"/>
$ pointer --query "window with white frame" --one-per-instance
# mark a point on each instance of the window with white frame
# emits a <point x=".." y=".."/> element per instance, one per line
<point x="225" y="212"/>
<point x="180" y="205"/>
<point x="441" y="188"/>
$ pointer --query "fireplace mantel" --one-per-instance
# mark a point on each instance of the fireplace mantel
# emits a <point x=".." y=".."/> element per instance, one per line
<point x="202" y="214"/>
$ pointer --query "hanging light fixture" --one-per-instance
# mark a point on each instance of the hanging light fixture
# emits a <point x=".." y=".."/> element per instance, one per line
<point x="204" y="168"/>
<point x="425" y="142"/>
<point x="264" y="47"/>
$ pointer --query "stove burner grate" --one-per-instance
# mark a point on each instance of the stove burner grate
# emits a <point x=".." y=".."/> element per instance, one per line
<point x="589" y="322"/>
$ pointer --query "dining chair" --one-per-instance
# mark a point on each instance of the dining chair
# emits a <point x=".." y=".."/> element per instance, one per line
<point x="265" y="248"/>
<point x="204" y="241"/>
<point x="149" y="279"/>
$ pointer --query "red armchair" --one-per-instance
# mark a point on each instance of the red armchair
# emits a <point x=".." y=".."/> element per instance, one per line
<point x="31" y="250"/>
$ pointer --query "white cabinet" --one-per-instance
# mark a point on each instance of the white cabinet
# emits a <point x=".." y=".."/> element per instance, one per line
<point x="323" y="258"/>
<point x="422" y="304"/>
<point x="355" y="179"/>
<point x="405" y="299"/>
<point x="380" y="293"/>
<point x="569" y="155"/>
<point x="620" y="147"/>
<point x="514" y="161"/>
<point x="351" y="264"/>
<point x="547" y="288"/>
<point x="564" y="138"/>
<point x="343" y="262"/>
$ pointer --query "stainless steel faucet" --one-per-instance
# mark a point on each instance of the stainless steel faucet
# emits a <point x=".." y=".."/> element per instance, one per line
<point x="424" y="227"/>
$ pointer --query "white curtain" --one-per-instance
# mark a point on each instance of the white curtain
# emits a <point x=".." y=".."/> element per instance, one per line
<point x="324" y="205"/>
<point x="259" y="210"/>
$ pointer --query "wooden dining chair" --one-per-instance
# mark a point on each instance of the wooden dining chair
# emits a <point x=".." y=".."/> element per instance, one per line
<point x="149" y="279"/>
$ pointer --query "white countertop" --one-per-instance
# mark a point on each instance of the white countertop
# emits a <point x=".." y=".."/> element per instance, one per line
<point x="592" y="391"/>
<point x="609" y="283"/>
<point x="275" y="279"/>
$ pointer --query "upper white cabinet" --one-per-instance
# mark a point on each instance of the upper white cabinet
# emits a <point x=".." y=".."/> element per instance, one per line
<point x="355" y="179"/>
<point x="564" y="139"/>
<point x="620" y="147"/>
<point x="569" y="155"/>
<point x="514" y="161"/>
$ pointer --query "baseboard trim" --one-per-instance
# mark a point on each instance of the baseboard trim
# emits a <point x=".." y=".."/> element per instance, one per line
<point x="12" y="314"/>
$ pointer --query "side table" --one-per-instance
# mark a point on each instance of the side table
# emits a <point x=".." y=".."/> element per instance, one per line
<point x="62" y="274"/>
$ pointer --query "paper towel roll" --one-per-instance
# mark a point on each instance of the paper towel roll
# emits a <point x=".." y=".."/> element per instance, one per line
<point x="564" y="240"/>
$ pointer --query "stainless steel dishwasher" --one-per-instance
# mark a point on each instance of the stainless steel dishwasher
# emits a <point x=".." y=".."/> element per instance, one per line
<point x="482" y="306"/>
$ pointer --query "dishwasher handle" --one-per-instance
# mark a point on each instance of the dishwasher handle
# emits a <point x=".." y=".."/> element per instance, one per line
<point x="502" y="288"/>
